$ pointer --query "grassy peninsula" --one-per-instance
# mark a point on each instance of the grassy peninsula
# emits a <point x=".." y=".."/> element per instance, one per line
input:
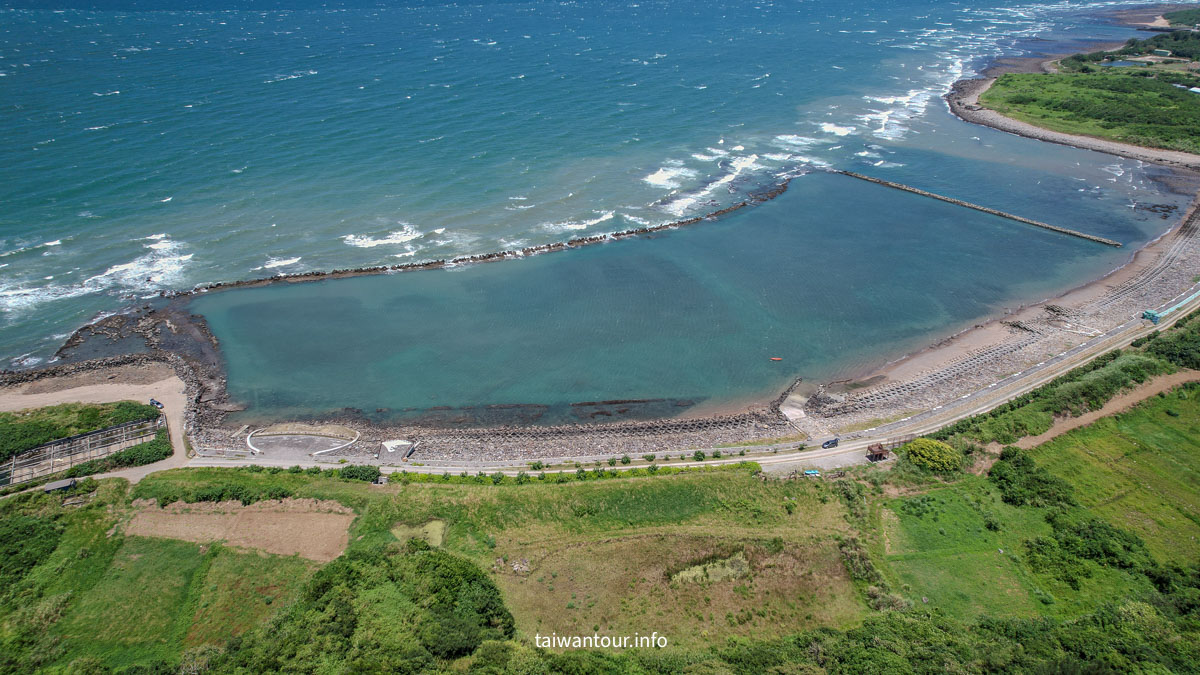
<point x="1147" y="103"/>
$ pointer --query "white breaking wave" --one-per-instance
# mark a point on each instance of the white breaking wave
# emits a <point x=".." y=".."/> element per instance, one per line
<point x="711" y="154"/>
<point x="292" y="76"/>
<point x="670" y="176"/>
<point x="161" y="267"/>
<point x="578" y="224"/>
<point x="892" y="122"/>
<point x="737" y="166"/>
<point x="272" y="263"/>
<point x="791" y="141"/>
<point x="396" y="237"/>
<point x="836" y="130"/>
<point x="23" y="249"/>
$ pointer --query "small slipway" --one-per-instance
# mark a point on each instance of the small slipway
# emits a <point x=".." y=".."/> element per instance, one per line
<point x="299" y="441"/>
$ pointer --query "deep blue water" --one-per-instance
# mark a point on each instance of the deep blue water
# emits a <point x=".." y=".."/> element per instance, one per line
<point x="149" y="149"/>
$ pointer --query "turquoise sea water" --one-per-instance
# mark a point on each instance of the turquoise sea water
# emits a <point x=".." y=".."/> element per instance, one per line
<point x="152" y="150"/>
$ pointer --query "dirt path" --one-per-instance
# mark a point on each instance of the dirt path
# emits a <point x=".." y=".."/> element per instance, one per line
<point x="1119" y="403"/>
<point x="135" y="383"/>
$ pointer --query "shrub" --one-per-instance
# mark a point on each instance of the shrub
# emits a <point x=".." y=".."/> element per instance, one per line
<point x="139" y="455"/>
<point x="1180" y="346"/>
<point x="625" y="459"/>
<point x="1024" y="483"/>
<point x="24" y="542"/>
<point x="933" y="455"/>
<point x="698" y="456"/>
<point x="363" y="472"/>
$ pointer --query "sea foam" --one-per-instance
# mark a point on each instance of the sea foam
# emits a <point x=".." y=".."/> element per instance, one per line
<point x="408" y="233"/>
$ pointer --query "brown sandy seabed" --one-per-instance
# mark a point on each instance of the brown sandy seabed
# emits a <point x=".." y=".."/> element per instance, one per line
<point x="935" y="376"/>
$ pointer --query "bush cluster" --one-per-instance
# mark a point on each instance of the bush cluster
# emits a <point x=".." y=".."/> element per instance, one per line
<point x="933" y="455"/>
<point x="139" y="455"/>
<point x="1023" y="483"/>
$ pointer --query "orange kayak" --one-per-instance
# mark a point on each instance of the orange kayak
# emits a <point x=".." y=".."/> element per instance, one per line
<point x="776" y="358"/>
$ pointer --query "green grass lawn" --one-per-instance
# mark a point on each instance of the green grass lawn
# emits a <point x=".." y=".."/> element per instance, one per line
<point x="943" y="554"/>
<point x="241" y="589"/>
<point x="1139" y="470"/>
<point x="133" y="612"/>
<point x="1117" y="106"/>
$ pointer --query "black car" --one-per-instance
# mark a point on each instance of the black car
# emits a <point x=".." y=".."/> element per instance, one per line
<point x="156" y="404"/>
<point x="831" y="443"/>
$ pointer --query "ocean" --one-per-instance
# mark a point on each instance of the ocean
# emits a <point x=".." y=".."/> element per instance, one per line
<point x="150" y="149"/>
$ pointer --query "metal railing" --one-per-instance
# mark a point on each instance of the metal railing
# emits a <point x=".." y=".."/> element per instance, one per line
<point x="65" y="453"/>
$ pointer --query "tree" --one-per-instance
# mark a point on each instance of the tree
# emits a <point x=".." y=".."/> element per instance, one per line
<point x="933" y="455"/>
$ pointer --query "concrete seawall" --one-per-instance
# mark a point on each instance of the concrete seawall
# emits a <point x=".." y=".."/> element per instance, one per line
<point x="985" y="209"/>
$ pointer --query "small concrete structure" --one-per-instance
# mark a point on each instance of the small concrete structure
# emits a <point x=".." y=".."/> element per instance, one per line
<point x="405" y="448"/>
<point x="59" y="485"/>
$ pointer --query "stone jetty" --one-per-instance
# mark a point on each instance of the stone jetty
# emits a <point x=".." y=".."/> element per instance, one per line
<point x="977" y="207"/>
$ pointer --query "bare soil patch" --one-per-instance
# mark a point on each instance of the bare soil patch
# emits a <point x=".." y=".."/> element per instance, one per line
<point x="306" y="527"/>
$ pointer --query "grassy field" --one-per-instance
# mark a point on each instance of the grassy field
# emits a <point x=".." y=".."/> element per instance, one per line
<point x="131" y="614"/>
<point x="595" y="553"/>
<point x="1140" y="470"/>
<point x="1113" y="105"/>
<point x="961" y="548"/>
<point x="944" y="555"/>
<point x="238" y="591"/>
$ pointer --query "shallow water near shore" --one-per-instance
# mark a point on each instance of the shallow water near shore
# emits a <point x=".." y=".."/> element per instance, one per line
<point x="828" y="277"/>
